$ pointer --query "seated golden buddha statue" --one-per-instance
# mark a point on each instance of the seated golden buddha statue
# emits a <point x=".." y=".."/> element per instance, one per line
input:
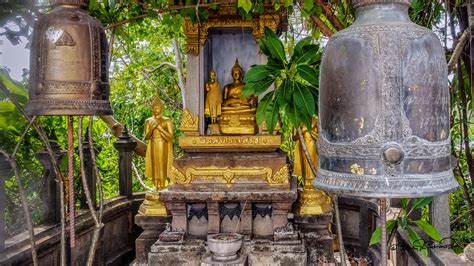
<point x="237" y="114"/>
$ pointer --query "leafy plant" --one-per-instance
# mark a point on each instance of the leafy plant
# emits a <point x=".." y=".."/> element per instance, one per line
<point x="406" y="223"/>
<point x="295" y="80"/>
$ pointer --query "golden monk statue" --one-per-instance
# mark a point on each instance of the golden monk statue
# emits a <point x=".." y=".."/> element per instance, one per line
<point x="311" y="201"/>
<point x="158" y="159"/>
<point x="213" y="103"/>
<point x="233" y="91"/>
<point x="159" y="153"/>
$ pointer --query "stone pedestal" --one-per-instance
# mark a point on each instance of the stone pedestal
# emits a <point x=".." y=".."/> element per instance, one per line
<point x="193" y="252"/>
<point x="189" y="253"/>
<point x="318" y="238"/>
<point x="152" y="226"/>
<point x="267" y="252"/>
<point x="280" y="200"/>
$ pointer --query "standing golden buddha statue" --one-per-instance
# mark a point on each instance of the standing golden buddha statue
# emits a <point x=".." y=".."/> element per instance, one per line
<point x="213" y="97"/>
<point x="213" y="102"/>
<point x="311" y="201"/>
<point x="159" y="157"/>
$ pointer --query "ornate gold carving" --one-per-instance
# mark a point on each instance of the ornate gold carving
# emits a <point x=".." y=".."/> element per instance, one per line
<point x="264" y="130"/>
<point x="204" y="143"/>
<point x="280" y="177"/>
<point x="176" y="177"/>
<point x="226" y="175"/>
<point x="196" y="36"/>
<point x="189" y="122"/>
<point x="191" y="31"/>
<point x="229" y="23"/>
<point x="228" y="10"/>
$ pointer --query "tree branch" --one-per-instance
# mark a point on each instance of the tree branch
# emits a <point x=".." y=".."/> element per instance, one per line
<point x="125" y="21"/>
<point x="159" y="11"/>
<point x="458" y="50"/>
<point x="461" y="216"/>
<point x="164" y="64"/>
<point x="179" y="71"/>
<point x="329" y="13"/>
<point x="117" y="129"/>
<point x="97" y="222"/>
<point x="322" y="26"/>
<point x="96" y="172"/>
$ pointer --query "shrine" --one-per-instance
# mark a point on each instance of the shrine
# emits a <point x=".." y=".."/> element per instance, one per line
<point x="232" y="178"/>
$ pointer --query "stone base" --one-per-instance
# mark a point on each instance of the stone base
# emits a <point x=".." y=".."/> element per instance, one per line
<point x="280" y="202"/>
<point x="253" y="253"/>
<point x="318" y="238"/>
<point x="152" y="228"/>
<point x="224" y="171"/>
<point x="188" y="253"/>
<point x="277" y="253"/>
<point x="240" y="261"/>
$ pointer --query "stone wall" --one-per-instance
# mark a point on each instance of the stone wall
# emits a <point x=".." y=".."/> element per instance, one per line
<point x="117" y="243"/>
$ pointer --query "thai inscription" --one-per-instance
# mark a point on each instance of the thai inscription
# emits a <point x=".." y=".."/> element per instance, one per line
<point x="230" y="141"/>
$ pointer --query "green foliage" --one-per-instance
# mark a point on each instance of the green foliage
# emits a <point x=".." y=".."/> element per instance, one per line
<point x="295" y="79"/>
<point x="419" y="15"/>
<point x="8" y="112"/>
<point x="12" y="125"/>
<point x="245" y="4"/>
<point x="406" y="223"/>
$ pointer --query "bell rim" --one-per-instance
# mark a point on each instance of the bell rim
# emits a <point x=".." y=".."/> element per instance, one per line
<point x="379" y="189"/>
<point x="37" y="108"/>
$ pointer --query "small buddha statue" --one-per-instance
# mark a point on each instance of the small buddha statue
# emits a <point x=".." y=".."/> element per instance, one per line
<point x="233" y="91"/>
<point x="213" y="102"/>
<point x="159" y="153"/>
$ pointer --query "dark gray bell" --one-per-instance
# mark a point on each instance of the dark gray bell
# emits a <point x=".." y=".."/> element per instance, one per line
<point x="384" y="107"/>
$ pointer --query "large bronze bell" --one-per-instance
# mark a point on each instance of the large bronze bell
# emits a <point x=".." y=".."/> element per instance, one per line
<point x="384" y="107"/>
<point x="69" y="63"/>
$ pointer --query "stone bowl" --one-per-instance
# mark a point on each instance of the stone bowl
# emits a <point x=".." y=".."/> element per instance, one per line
<point x="224" y="246"/>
